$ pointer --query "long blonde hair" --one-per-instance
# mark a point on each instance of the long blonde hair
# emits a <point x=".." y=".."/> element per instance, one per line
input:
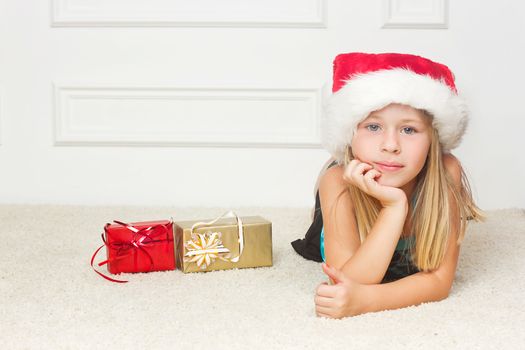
<point x="431" y="219"/>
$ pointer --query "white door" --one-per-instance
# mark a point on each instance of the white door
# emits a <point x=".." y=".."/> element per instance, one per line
<point x="217" y="102"/>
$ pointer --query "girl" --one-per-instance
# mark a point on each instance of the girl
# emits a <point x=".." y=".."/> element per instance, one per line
<point x="392" y="207"/>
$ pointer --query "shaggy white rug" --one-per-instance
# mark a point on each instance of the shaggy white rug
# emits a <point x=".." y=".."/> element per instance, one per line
<point x="51" y="299"/>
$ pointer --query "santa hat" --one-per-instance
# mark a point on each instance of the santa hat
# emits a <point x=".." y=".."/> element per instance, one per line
<point x="363" y="83"/>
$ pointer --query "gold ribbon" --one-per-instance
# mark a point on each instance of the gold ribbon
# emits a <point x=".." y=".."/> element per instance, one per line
<point x="205" y="248"/>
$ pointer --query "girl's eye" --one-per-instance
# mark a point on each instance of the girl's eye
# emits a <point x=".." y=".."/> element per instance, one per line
<point x="408" y="130"/>
<point x="373" y="127"/>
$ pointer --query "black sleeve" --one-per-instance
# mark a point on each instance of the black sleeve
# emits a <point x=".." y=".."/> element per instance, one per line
<point x="309" y="246"/>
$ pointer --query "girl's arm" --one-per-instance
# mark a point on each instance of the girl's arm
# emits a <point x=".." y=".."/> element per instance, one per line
<point x="365" y="263"/>
<point x="430" y="286"/>
<point x="348" y="297"/>
<point x="415" y="289"/>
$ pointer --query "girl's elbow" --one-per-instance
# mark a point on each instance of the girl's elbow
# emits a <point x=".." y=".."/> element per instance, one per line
<point x="438" y="294"/>
<point x="444" y="290"/>
<point x="443" y="295"/>
<point x="442" y="287"/>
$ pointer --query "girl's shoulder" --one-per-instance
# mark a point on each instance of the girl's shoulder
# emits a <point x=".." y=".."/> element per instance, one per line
<point x="333" y="187"/>
<point x="453" y="167"/>
<point x="333" y="177"/>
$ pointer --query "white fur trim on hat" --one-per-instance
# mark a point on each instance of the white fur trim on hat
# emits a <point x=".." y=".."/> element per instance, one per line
<point x="365" y="93"/>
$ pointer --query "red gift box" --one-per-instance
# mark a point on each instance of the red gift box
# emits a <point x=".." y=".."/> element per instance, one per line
<point x="138" y="247"/>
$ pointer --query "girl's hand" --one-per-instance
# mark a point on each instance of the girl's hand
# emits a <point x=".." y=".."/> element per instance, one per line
<point x="344" y="297"/>
<point x="364" y="176"/>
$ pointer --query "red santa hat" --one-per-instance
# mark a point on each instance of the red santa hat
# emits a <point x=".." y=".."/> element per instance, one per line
<point x="363" y="83"/>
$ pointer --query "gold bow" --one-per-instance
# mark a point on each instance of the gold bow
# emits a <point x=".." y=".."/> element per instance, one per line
<point x="205" y="248"/>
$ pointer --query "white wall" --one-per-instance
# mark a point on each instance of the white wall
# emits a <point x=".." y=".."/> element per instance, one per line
<point x="157" y="103"/>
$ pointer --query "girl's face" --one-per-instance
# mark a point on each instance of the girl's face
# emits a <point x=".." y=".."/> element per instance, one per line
<point x="395" y="140"/>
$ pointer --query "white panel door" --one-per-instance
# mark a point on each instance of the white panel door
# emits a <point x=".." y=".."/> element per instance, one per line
<point x="218" y="102"/>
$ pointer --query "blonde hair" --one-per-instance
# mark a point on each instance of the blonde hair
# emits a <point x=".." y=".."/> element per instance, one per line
<point x="431" y="218"/>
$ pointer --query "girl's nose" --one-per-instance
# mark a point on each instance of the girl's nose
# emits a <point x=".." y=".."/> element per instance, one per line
<point x="390" y="143"/>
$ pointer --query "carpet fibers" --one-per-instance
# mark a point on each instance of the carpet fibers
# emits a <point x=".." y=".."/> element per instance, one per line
<point x="51" y="299"/>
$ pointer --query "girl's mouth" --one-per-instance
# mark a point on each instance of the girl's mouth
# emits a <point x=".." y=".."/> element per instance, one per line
<point x="388" y="167"/>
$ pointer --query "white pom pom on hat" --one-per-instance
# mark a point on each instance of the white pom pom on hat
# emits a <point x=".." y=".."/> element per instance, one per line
<point x="364" y="82"/>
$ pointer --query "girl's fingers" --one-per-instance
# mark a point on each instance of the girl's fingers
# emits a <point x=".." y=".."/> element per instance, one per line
<point x="358" y="175"/>
<point x="355" y="173"/>
<point x="371" y="176"/>
<point x="354" y="169"/>
<point x="352" y="166"/>
<point x="336" y="276"/>
<point x="353" y="163"/>
<point x="350" y="169"/>
<point x="323" y="312"/>
<point x="322" y="301"/>
<point x="361" y="168"/>
<point x="324" y="290"/>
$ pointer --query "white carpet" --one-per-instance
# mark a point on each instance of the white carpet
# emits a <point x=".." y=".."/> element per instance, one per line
<point x="52" y="299"/>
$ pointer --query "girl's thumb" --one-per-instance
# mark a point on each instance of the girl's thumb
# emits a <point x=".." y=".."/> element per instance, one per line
<point x="334" y="274"/>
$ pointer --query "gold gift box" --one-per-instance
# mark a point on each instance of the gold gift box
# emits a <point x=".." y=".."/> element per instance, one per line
<point x="218" y="246"/>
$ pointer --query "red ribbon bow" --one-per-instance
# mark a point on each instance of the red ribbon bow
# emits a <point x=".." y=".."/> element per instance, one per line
<point x="141" y="238"/>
